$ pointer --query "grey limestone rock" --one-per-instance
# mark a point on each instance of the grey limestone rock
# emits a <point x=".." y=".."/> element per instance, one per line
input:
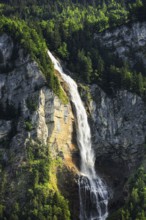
<point x="24" y="96"/>
<point x="119" y="129"/>
<point x="128" y="42"/>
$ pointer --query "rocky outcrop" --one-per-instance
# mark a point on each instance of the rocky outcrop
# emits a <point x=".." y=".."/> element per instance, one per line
<point x="119" y="132"/>
<point x="29" y="111"/>
<point x="26" y="99"/>
<point x="128" y="42"/>
<point x="23" y="96"/>
<point x="119" y="123"/>
<point x="61" y="140"/>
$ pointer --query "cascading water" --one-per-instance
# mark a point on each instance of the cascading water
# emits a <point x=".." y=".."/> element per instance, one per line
<point x="93" y="193"/>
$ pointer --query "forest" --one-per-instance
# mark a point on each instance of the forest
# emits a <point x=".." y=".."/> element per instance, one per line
<point x="67" y="28"/>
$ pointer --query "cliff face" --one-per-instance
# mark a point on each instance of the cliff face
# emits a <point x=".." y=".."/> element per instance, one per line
<point x="119" y="131"/>
<point x="23" y="95"/>
<point x="30" y="113"/>
<point x="26" y="100"/>
<point x="118" y="121"/>
<point x="118" y="127"/>
<point x="127" y="42"/>
<point x="119" y="124"/>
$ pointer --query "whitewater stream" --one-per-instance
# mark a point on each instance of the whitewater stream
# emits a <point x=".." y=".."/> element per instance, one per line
<point x="93" y="192"/>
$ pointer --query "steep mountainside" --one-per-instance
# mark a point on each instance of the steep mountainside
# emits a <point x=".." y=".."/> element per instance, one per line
<point x="36" y="131"/>
<point x="128" y="43"/>
<point x="39" y="156"/>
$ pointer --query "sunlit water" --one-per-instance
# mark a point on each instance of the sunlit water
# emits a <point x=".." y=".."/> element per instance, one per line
<point x="93" y="192"/>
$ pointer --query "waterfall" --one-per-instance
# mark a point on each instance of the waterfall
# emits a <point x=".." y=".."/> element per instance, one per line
<point x="93" y="193"/>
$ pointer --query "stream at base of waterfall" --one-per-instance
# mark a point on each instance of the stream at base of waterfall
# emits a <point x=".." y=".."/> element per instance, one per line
<point x="93" y="193"/>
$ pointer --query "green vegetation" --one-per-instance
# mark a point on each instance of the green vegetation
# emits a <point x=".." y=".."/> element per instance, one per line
<point x="36" y="196"/>
<point x="31" y="41"/>
<point x="125" y="78"/>
<point x="135" y="208"/>
<point x="32" y="104"/>
<point x="34" y="44"/>
<point x="28" y="125"/>
<point x="85" y="94"/>
<point x="68" y="29"/>
<point x="70" y="33"/>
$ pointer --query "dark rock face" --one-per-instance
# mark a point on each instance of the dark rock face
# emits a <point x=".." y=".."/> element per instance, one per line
<point x="68" y="184"/>
<point x="120" y="125"/>
<point x="119" y="122"/>
<point x="119" y="130"/>
<point x="23" y="95"/>
<point x="30" y="113"/>
<point x="127" y="42"/>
